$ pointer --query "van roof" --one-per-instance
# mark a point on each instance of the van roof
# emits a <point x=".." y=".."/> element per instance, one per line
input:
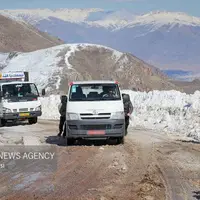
<point x="95" y="82"/>
<point x="15" y="82"/>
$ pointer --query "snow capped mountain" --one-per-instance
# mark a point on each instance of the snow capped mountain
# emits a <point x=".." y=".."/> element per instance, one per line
<point x="159" y="18"/>
<point x="33" y="16"/>
<point x="123" y="19"/>
<point x="59" y="65"/>
<point x="104" y="18"/>
<point x="168" y="40"/>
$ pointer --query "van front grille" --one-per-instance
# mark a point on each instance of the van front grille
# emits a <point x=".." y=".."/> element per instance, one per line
<point x="88" y="116"/>
<point x="23" y="109"/>
<point x="104" y="114"/>
<point x="96" y="127"/>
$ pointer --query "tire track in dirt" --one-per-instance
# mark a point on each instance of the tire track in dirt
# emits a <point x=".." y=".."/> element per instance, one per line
<point x="176" y="187"/>
<point x="151" y="184"/>
<point x="177" y="182"/>
<point x="145" y="167"/>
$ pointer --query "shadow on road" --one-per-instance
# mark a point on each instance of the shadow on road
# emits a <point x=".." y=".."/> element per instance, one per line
<point x="11" y="124"/>
<point x="56" y="140"/>
<point x="196" y="194"/>
<point x="60" y="141"/>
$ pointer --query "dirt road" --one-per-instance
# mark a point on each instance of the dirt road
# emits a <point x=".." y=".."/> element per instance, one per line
<point x="149" y="166"/>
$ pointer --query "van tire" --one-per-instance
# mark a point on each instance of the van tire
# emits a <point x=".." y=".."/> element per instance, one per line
<point x="70" y="141"/>
<point x="3" y="122"/>
<point x="120" y="140"/>
<point x="32" y="120"/>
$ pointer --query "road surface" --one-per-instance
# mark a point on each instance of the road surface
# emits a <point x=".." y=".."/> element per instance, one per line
<point x="149" y="166"/>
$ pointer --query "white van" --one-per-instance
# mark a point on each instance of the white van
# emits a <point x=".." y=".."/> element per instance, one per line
<point x="95" y="110"/>
<point x="19" y="98"/>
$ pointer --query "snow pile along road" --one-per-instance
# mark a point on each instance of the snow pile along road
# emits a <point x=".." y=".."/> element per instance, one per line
<point x="169" y="111"/>
<point x="50" y="107"/>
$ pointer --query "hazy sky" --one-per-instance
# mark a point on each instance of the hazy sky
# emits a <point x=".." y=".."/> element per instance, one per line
<point x="191" y="7"/>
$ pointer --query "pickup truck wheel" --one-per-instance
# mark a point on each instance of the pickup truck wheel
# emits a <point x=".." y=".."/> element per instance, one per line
<point x="32" y="120"/>
<point x="120" y="140"/>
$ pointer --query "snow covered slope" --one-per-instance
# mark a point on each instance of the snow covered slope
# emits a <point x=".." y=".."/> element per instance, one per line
<point x="169" y="111"/>
<point x="169" y="40"/>
<point x="55" y="67"/>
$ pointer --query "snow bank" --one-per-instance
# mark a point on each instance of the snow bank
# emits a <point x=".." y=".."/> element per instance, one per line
<point x="168" y="111"/>
<point x="50" y="107"/>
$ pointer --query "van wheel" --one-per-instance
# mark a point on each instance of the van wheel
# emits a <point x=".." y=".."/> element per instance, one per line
<point x="3" y="122"/>
<point x="32" y="120"/>
<point x="120" y="140"/>
<point x="70" y="141"/>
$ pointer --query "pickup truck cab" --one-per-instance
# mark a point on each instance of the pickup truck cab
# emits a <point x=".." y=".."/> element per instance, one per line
<point x="94" y="110"/>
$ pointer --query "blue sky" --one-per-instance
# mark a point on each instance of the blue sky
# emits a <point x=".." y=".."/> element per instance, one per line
<point x="137" y="6"/>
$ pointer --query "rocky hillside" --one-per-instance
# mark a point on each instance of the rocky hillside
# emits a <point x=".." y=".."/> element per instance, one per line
<point x="168" y="40"/>
<point x="189" y="87"/>
<point x="20" y="36"/>
<point x="53" y="68"/>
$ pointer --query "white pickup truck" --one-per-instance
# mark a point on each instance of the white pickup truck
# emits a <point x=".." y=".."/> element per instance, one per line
<point x="18" y="98"/>
<point x="95" y="110"/>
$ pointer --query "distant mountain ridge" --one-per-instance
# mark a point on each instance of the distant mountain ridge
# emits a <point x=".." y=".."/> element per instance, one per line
<point x="168" y="40"/>
<point x="103" y="18"/>
<point x="179" y="74"/>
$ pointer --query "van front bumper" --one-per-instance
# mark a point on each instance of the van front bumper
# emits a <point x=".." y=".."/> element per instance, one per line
<point x="14" y="116"/>
<point x="95" y="128"/>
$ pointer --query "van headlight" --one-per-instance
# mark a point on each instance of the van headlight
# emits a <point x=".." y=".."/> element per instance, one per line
<point x="72" y="116"/>
<point x="6" y="110"/>
<point x="38" y="108"/>
<point x="117" y="115"/>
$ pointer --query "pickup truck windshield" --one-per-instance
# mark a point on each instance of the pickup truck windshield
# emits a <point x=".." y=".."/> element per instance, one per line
<point x="22" y="90"/>
<point x="94" y="92"/>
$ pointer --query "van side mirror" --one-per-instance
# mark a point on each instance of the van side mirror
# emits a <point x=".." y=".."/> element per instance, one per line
<point x="43" y="92"/>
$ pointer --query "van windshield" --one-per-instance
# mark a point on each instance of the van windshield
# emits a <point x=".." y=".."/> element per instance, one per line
<point x="94" y="92"/>
<point x="21" y="90"/>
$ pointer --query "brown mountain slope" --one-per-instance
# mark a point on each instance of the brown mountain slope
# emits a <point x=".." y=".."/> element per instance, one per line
<point x="69" y="62"/>
<point x="19" y="36"/>
<point x="92" y="62"/>
<point x="188" y="87"/>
